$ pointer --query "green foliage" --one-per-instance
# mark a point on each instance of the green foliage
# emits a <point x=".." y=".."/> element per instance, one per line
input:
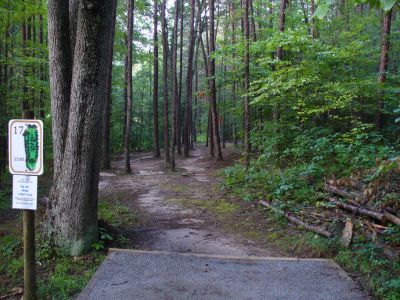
<point x="368" y="259"/>
<point x="69" y="277"/>
<point x="104" y="237"/>
<point x="115" y="215"/>
<point x="292" y="166"/>
<point x="11" y="261"/>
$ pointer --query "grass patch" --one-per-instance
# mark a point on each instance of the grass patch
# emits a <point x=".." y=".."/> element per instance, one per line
<point x="116" y="215"/>
<point x="58" y="277"/>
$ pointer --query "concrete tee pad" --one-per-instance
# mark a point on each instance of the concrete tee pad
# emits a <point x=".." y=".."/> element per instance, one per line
<point x="131" y="274"/>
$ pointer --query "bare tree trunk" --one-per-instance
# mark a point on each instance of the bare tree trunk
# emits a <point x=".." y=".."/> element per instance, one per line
<point x="247" y="82"/>
<point x="189" y="76"/>
<point x="383" y="67"/>
<point x="210" y="139"/>
<point x="73" y="199"/>
<point x="253" y="22"/>
<point x="60" y="71"/>
<point x="213" y="91"/>
<point x="233" y="40"/>
<point x="129" y="89"/>
<point x="281" y="28"/>
<point x="174" y="83"/>
<point x="165" y="81"/>
<point x="155" y="83"/>
<point x="210" y="133"/>
<point x="279" y="51"/>
<point x="179" y="115"/>
<point x="313" y="27"/>
<point x="42" y="70"/>
<point x="124" y="109"/>
<point x="106" y="161"/>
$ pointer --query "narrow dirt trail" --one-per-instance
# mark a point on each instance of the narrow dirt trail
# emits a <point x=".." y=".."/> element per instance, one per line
<point x="163" y="202"/>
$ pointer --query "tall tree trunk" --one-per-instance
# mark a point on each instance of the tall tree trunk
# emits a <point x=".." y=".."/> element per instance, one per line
<point x="73" y="199"/>
<point x="383" y="67"/>
<point x="189" y="78"/>
<point x="281" y="27"/>
<point x="247" y="82"/>
<point x="125" y="93"/>
<point x="179" y="115"/>
<point x="42" y="70"/>
<point x="213" y="91"/>
<point x="253" y="21"/>
<point x="233" y="40"/>
<point x="60" y="71"/>
<point x="313" y="26"/>
<point x="155" y="82"/>
<point x="129" y="89"/>
<point x="106" y="161"/>
<point x="165" y="80"/>
<point x="174" y="84"/>
<point x="279" y="51"/>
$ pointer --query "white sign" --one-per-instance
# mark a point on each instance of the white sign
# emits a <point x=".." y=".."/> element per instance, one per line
<point x="24" y="192"/>
<point x="25" y="146"/>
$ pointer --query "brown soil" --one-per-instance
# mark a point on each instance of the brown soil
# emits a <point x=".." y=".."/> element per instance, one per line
<point x="184" y="210"/>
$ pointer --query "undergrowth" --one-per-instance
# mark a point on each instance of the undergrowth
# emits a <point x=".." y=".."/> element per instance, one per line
<point x="290" y="169"/>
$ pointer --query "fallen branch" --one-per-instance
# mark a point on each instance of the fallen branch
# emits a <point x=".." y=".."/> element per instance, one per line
<point x="14" y="292"/>
<point x="345" y="194"/>
<point x="361" y="211"/>
<point x="392" y="218"/>
<point x="297" y="221"/>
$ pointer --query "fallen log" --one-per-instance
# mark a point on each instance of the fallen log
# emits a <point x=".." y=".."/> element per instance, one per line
<point x="392" y="218"/>
<point x="361" y="211"/>
<point x="345" y="194"/>
<point x="297" y="221"/>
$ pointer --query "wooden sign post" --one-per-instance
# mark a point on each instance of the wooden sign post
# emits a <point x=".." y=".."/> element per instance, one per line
<point x="26" y="163"/>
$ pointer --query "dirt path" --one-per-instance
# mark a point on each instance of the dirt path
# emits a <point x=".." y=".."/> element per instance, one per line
<point x="170" y="205"/>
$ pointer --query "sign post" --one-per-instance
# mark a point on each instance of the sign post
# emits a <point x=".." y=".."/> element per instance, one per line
<point x="25" y="143"/>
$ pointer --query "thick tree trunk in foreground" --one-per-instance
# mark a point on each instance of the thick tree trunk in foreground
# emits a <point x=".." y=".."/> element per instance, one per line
<point x="155" y="82"/>
<point x="383" y="66"/>
<point x="186" y="132"/>
<point x="246" y="82"/>
<point x="60" y="71"/>
<point x="213" y="91"/>
<point x="106" y="162"/>
<point x="129" y="89"/>
<point x="165" y="81"/>
<point x="73" y="200"/>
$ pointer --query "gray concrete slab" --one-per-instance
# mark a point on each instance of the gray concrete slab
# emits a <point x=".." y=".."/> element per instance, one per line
<point x="131" y="274"/>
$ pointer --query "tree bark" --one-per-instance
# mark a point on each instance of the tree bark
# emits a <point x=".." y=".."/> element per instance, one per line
<point x="281" y="28"/>
<point x="165" y="80"/>
<point x="106" y="161"/>
<point x="73" y="199"/>
<point x="60" y="72"/>
<point x="313" y="27"/>
<point x="179" y="115"/>
<point x="129" y="89"/>
<point x="174" y="84"/>
<point x="246" y="83"/>
<point x="213" y="91"/>
<point x="155" y="82"/>
<point x="383" y="67"/>
<point x="186" y="132"/>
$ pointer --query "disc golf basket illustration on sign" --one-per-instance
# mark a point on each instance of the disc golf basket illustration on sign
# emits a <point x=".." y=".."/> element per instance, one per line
<point x="31" y="141"/>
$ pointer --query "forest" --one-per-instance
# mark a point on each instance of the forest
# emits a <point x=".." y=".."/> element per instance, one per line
<point x="294" y="104"/>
